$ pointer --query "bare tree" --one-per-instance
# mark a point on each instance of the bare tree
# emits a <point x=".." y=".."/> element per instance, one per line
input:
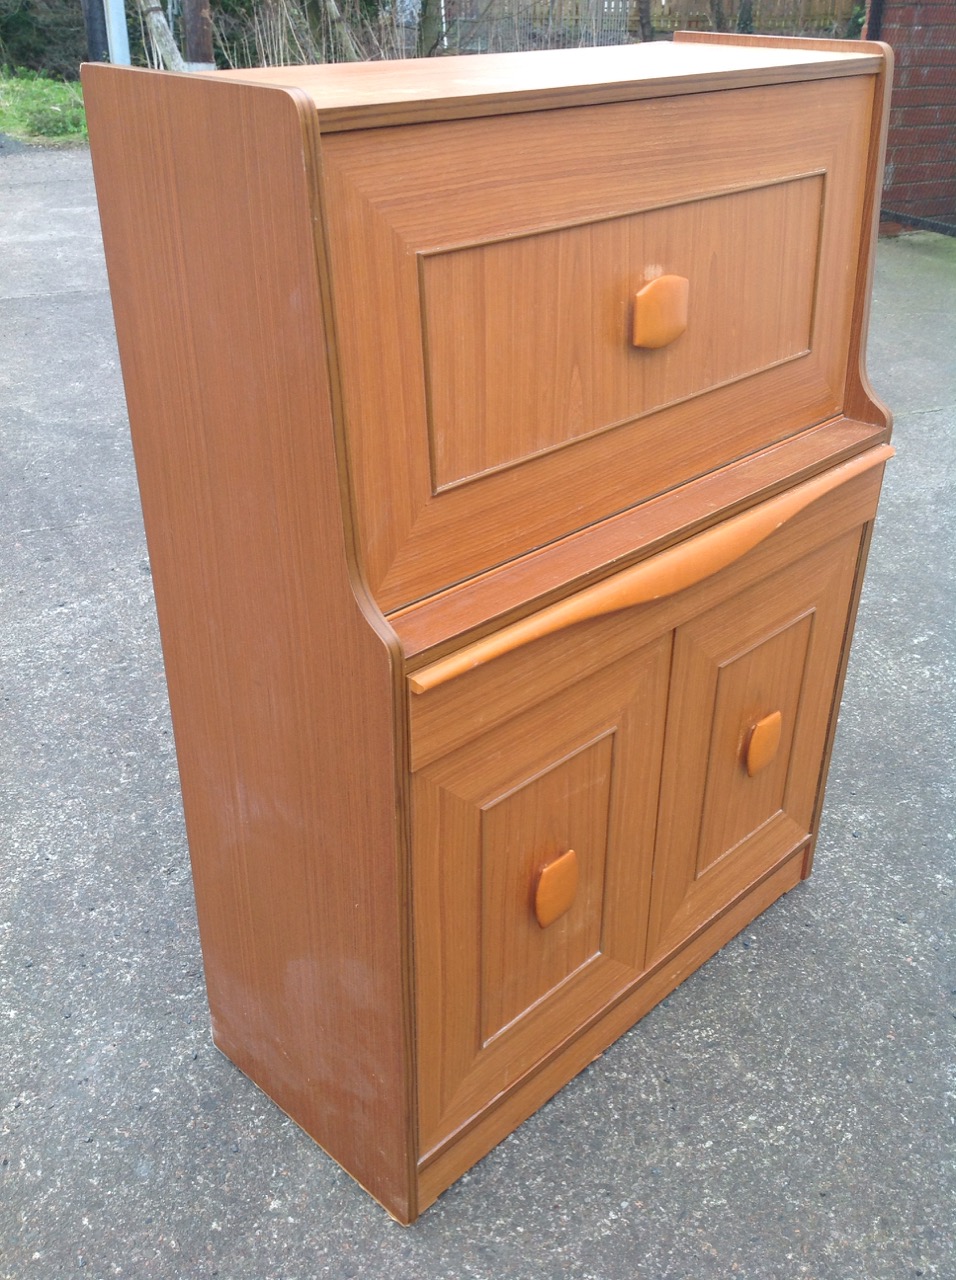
<point x="164" y="42"/>
<point x="94" y="19"/>
<point x="341" y="31"/>
<point x="644" y="19"/>
<point x="197" y="31"/>
<point x="431" y="29"/>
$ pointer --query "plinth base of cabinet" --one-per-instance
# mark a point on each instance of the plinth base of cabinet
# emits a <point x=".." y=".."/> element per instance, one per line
<point x="439" y="1168"/>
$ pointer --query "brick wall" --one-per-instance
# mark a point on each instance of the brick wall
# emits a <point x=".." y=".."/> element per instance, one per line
<point x="920" y="181"/>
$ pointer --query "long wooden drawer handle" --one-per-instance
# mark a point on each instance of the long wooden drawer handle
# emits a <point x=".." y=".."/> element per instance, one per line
<point x="662" y="575"/>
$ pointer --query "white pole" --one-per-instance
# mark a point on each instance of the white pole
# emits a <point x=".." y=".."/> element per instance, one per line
<point x="117" y="35"/>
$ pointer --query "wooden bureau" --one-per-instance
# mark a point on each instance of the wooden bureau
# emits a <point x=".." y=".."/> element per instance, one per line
<point x="508" y="467"/>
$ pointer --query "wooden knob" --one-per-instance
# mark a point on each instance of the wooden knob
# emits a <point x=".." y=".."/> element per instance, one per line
<point x="660" y="311"/>
<point x="556" y="889"/>
<point x="763" y="742"/>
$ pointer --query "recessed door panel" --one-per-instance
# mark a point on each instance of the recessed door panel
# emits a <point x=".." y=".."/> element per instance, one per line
<point x="774" y="648"/>
<point x="529" y="342"/>
<point x="497" y="990"/>
<point x="559" y="812"/>
<point x="757" y="682"/>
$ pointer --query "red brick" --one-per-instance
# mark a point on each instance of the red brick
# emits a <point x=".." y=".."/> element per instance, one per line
<point x="921" y="150"/>
<point x="921" y="190"/>
<point x="928" y="194"/>
<point x="936" y="210"/>
<point x="901" y="28"/>
<point x="922" y="116"/>
<point x="936" y="137"/>
<point x="923" y="95"/>
<point x="937" y="56"/>
<point x="930" y="95"/>
<point x="905" y="169"/>
<point x="927" y="33"/>
<point x="914" y="77"/>
<point x="936" y="10"/>
<point x="932" y="30"/>
<point x="910" y="166"/>
<point x="928" y="134"/>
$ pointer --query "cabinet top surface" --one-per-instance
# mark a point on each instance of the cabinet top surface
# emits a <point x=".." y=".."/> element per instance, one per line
<point x="364" y="94"/>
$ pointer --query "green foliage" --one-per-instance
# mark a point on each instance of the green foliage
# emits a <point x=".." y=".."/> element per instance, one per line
<point x="34" y="107"/>
<point x="43" y="35"/>
<point x="854" y="28"/>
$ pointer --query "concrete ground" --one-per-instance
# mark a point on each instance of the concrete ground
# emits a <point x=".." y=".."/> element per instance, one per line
<point x="788" y="1112"/>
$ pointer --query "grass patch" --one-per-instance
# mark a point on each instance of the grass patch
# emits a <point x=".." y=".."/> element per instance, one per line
<point x="36" y="108"/>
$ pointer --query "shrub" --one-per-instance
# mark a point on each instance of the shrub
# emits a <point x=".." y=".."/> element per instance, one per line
<point x="32" y="105"/>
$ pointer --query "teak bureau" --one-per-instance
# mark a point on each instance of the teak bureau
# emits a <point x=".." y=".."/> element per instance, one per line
<point x="508" y="467"/>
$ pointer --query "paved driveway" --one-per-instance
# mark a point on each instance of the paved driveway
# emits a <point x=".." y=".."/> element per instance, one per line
<point x="783" y="1114"/>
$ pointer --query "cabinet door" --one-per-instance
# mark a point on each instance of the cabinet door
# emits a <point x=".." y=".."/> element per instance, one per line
<point x="752" y="691"/>
<point x="668" y="726"/>
<point x="533" y="844"/>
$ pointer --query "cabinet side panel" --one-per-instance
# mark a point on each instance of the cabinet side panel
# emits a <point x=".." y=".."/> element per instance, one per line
<point x="282" y="689"/>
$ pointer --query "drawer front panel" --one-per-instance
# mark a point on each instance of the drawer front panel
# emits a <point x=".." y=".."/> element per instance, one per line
<point x="484" y="276"/>
<point x="529" y="340"/>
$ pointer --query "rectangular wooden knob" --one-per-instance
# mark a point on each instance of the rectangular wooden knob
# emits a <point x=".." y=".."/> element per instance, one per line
<point x="556" y="889"/>
<point x="660" y="311"/>
<point x="763" y="743"/>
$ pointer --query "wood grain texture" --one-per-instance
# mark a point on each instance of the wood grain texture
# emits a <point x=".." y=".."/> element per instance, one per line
<point x="837" y="698"/>
<point x="480" y="1133"/>
<point x="395" y="199"/>
<point x="769" y="630"/>
<point x="449" y="714"/>
<point x="566" y="803"/>
<point x="295" y="849"/>
<point x="417" y="90"/>
<point x="780" y="643"/>
<point x="528" y="342"/>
